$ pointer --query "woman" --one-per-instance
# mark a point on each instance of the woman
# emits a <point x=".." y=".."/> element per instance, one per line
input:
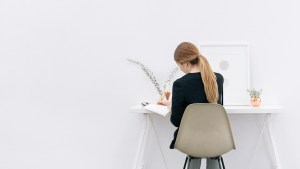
<point x="199" y="85"/>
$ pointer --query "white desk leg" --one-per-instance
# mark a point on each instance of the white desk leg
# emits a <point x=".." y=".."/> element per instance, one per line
<point x="275" y="158"/>
<point x="258" y="140"/>
<point x="142" y="145"/>
<point x="272" y="144"/>
<point x="160" y="148"/>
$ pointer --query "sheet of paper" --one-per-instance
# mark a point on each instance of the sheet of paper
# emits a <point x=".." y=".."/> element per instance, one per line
<point x="159" y="109"/>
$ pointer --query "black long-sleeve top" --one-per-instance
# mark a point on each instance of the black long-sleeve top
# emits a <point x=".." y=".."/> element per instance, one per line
<point x="187" y="90"/>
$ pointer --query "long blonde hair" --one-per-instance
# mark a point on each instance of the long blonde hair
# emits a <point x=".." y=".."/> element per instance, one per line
<point x="187" y="52"/>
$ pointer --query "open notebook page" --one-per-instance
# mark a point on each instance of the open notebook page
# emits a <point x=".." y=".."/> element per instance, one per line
<point x="159" y="109"/>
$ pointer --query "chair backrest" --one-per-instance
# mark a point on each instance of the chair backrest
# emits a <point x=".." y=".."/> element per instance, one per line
<point x="204" y="131"/>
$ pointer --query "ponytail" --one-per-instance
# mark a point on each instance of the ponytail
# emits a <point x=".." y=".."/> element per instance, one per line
<point x="209" y="80"/>
<point x="188" y="52"/>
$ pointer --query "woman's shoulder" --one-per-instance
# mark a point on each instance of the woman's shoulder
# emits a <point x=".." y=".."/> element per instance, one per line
<point x="220" y="78"/>
<point x="219" y="75"/>
<point x="192" y="76"/>
<point x="186" y="77"/>
<point x="178" y="81"/>
<point x="181" y="81"/>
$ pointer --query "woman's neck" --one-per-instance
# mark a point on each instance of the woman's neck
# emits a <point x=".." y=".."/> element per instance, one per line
<point x="195" y="69"/>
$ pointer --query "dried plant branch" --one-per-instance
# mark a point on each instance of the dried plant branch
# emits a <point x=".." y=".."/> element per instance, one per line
<point x="149" y="74"/>
<point x="171" y="76"/>
<point x="153" y="78"/>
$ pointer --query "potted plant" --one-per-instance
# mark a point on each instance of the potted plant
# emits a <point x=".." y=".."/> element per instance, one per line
<point x="255" y="96"/>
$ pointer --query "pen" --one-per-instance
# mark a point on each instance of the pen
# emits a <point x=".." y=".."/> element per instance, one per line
<point x="162" y="96"/>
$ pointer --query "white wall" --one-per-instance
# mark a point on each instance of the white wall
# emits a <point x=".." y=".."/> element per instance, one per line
<point x="65" y="84"/>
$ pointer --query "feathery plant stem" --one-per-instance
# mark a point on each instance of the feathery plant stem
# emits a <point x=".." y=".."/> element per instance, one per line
<point x="153" y="79"/>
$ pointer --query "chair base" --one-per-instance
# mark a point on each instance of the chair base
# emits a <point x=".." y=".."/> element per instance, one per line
<point x="188" y="159"/>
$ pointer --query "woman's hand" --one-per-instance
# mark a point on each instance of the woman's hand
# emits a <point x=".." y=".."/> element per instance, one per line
<point x="165" y="103"/>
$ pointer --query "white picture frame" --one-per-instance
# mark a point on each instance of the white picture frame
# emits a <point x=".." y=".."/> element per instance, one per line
<point x="233" y="62"/>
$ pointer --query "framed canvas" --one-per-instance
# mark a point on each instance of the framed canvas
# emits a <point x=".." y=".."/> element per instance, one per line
<point x="232" y="61"/>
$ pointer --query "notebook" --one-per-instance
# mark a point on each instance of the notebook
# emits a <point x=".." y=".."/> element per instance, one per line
<point x="159" y="109"/>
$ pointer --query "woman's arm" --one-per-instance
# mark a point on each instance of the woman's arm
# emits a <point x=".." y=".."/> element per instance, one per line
<point x="178" y="103"/>
<point x="220" y="81"/>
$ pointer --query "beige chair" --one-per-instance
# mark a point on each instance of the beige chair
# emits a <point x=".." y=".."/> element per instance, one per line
<point x="204" y="132"/>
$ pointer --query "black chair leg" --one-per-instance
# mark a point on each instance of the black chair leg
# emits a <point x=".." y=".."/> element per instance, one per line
<point x="189" y="162"/>
<point x="185" y="162"/>
<point x="219" y="163"/>
<point x="222" y="162"/>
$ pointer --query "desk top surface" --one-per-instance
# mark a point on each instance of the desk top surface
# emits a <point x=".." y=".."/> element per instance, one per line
<point x="231" y="109"/>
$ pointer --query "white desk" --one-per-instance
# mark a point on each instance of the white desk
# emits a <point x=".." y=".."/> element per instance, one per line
<point x="268" y="110"/>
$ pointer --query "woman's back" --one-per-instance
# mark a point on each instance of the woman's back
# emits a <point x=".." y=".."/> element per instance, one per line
<point x="194" y="88"/>
<point x="190" y="89"/>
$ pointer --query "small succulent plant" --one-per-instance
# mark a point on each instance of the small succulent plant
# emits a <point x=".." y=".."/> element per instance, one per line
<point x="254" y="93"/>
